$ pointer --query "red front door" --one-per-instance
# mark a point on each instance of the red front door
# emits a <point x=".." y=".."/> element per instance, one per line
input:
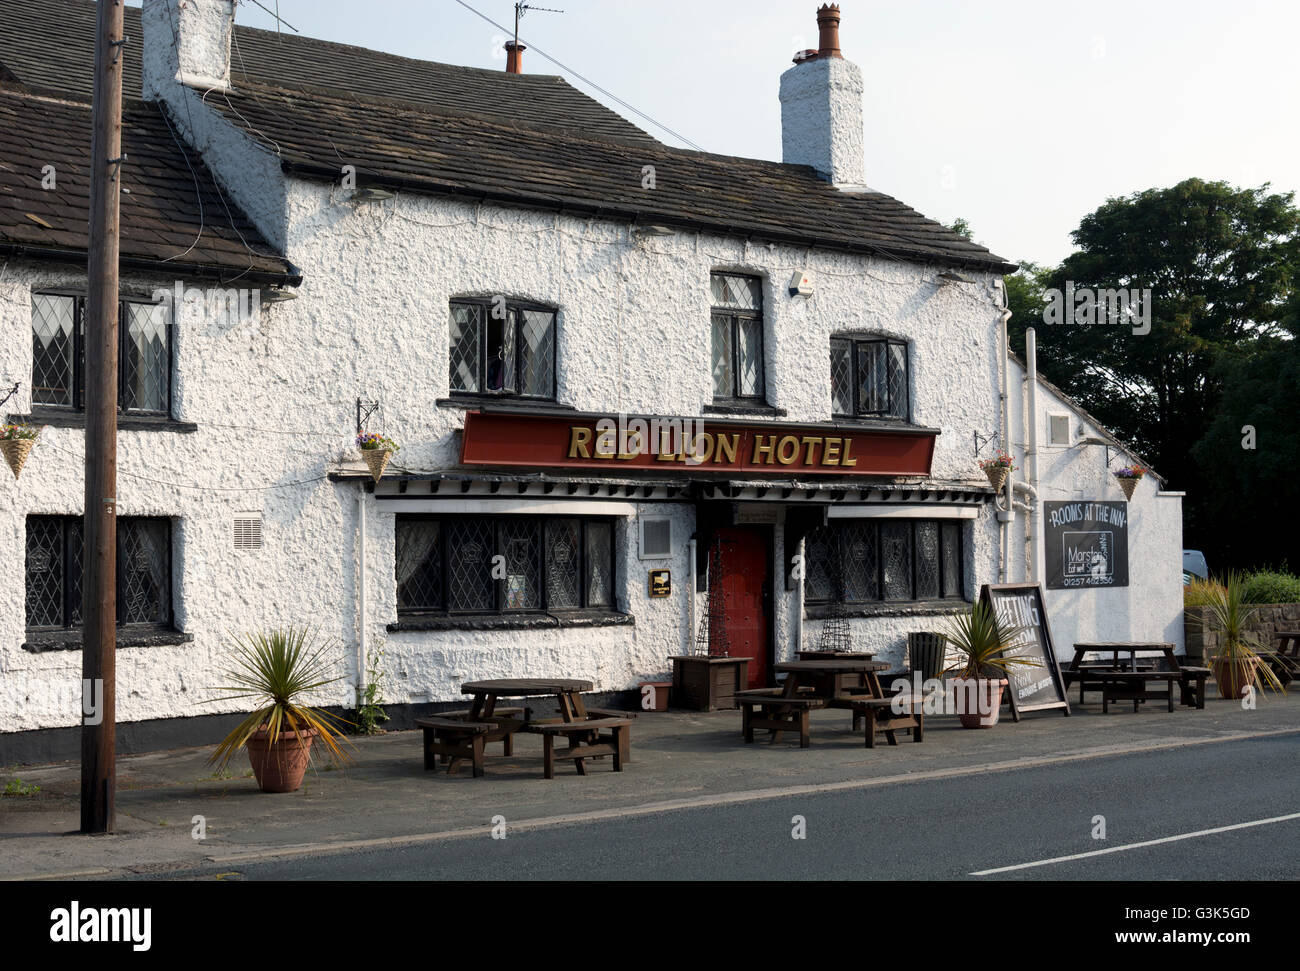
<point x="743" y="581"/>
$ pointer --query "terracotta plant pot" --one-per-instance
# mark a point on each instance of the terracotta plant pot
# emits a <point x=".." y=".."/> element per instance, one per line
<point x="1128" y="484"/>
<point x="16" y="451"/>
<point x="1233" y="676"/>
<point x="982" y="694"/>
<point x="280" y="767"/>
<point x="997" y="475"/>
<point x="376" y="460"/>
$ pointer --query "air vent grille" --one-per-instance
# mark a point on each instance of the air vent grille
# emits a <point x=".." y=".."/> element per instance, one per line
<point x="248" y="531"/>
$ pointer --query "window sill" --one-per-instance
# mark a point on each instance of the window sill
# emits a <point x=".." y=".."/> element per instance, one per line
<point x="899" y="608"/>
<point x="499" y="401"/>
<point x="67" y="418"/>
<point x="539" y="621"/>
<point x="39" y="642"/>
<point x="719" y="408"/>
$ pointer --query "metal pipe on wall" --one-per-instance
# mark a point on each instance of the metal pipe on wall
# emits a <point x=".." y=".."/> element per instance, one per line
<point x="361" y="591"/>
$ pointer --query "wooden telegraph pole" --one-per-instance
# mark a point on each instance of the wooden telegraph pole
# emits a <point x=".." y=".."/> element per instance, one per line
<point x="99" y="588"/>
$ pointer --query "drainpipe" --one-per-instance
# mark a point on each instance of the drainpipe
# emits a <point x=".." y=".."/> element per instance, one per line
<point x="1031" y="449"/>
<point x="361" y="591"/>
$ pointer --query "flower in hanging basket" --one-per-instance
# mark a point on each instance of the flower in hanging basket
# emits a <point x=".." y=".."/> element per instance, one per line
<point x="376" y="449"/>
<point x="1128" y="478"/>
<point x="16" y="443"/>
<point x="998" y="468"/>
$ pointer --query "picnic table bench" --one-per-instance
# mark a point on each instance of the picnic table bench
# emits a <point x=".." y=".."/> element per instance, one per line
<point x="780" y="712"/>
<point x="585" y="741"/>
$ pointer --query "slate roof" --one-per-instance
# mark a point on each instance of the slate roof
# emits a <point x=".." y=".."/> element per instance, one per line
<point x="528" y="140"/>
<point x="49" y="44"/>
<point x="167" y="220"/>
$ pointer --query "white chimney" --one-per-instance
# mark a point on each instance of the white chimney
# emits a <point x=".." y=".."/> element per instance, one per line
<point x="186" y="41"/>
<point x="821" y="109"/>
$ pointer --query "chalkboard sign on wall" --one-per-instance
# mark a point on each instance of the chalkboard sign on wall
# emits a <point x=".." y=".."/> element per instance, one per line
<point x="1037" y="687"/>
<point x="1086" y="544"/>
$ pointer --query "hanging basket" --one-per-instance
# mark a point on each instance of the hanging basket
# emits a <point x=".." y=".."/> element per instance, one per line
<point x="997" y="475"/>
<point x="16" y="451"/>
<point x="377" y="460"/>
<point x="1128" y="483"/>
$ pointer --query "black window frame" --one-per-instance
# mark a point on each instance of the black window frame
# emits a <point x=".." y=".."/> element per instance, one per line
<point x="837" y="574"/>
<point x="165" y="622"/>
<point x="79" y="352"/>
<point x="485" y="304"/>
<point x="890" y="412"/>
<point x="498" y="606"/>
<point x="735" y="315"/>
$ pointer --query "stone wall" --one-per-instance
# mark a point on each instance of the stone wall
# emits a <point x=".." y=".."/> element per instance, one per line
<point x="1269" y="619"/>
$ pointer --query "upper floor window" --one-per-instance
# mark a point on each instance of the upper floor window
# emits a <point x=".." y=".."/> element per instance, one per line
<point x="502" y="347"/>
<point x="144" y="383"/>
<point x="737" y="337"/>
<point x="857" y="561"/>
<point x="503" y="564"/>
<point x="55" y="551"/>
<point x="869" y="378"/>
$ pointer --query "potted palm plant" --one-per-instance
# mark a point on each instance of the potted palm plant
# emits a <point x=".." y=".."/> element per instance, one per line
<point x="275" y="670"/>
<point x="980" y="641"/>
<point x="1236" y="662"/>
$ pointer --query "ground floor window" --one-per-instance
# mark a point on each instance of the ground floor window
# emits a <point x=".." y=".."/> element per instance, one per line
<point x="856" y="561"/>
<point x="55" y="552"/>
<point x="503" y="564"/>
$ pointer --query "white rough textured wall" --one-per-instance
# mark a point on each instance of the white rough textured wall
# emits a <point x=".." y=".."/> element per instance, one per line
<point x="1151" y="606"/>
<point x="821" y="119"/>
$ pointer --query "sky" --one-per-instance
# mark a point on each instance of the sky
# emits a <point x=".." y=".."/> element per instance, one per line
<point x="1020" y="116"/>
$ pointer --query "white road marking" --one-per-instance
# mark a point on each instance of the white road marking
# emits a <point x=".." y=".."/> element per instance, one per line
<point x="1134" y="846"/>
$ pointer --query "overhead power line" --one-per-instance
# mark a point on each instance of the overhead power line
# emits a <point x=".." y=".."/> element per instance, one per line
<point x="568" y="70"/>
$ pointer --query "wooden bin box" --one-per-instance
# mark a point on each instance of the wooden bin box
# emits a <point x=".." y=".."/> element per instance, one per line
<point x="708" y="683"/>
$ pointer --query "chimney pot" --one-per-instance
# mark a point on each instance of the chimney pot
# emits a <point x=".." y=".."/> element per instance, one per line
<point x="828" y="27"/>
<point x="515" y="57"/>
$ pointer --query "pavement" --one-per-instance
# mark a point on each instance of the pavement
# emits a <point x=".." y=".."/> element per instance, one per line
<point x="681" y="761"/>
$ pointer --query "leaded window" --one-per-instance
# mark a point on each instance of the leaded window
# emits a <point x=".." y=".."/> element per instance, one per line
<point x="737" y="326"/>
<point x="144" y="357"/>
<point x="869" y="378"/>
<point x="55" y="559"/>
<point x="502" y="347"/>
<point x="503" y="564"/>
<point x="859" y="561"/>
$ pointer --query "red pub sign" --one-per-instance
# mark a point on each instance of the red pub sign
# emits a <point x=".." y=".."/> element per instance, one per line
<point x="613" y="443"/>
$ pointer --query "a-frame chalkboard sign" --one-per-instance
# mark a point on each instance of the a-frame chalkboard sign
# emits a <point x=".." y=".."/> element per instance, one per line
<point x="1041" y="686"/>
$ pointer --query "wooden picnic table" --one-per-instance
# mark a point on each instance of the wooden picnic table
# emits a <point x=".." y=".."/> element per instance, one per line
<point x="813" y="684"/>
<point x="566" y="691"/>
<point x="1121" y="680"/>
<point x="1285" y="660"/>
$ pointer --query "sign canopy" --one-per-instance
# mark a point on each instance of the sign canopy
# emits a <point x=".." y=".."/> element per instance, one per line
<point x="620" y="443"/>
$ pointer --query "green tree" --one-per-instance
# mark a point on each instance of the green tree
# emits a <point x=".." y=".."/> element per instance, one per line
<point x="1219" y="263"/>
<point x="1250" y="453"/>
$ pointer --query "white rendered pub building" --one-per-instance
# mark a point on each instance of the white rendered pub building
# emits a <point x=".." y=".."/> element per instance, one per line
<point x="506" y="269"/>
